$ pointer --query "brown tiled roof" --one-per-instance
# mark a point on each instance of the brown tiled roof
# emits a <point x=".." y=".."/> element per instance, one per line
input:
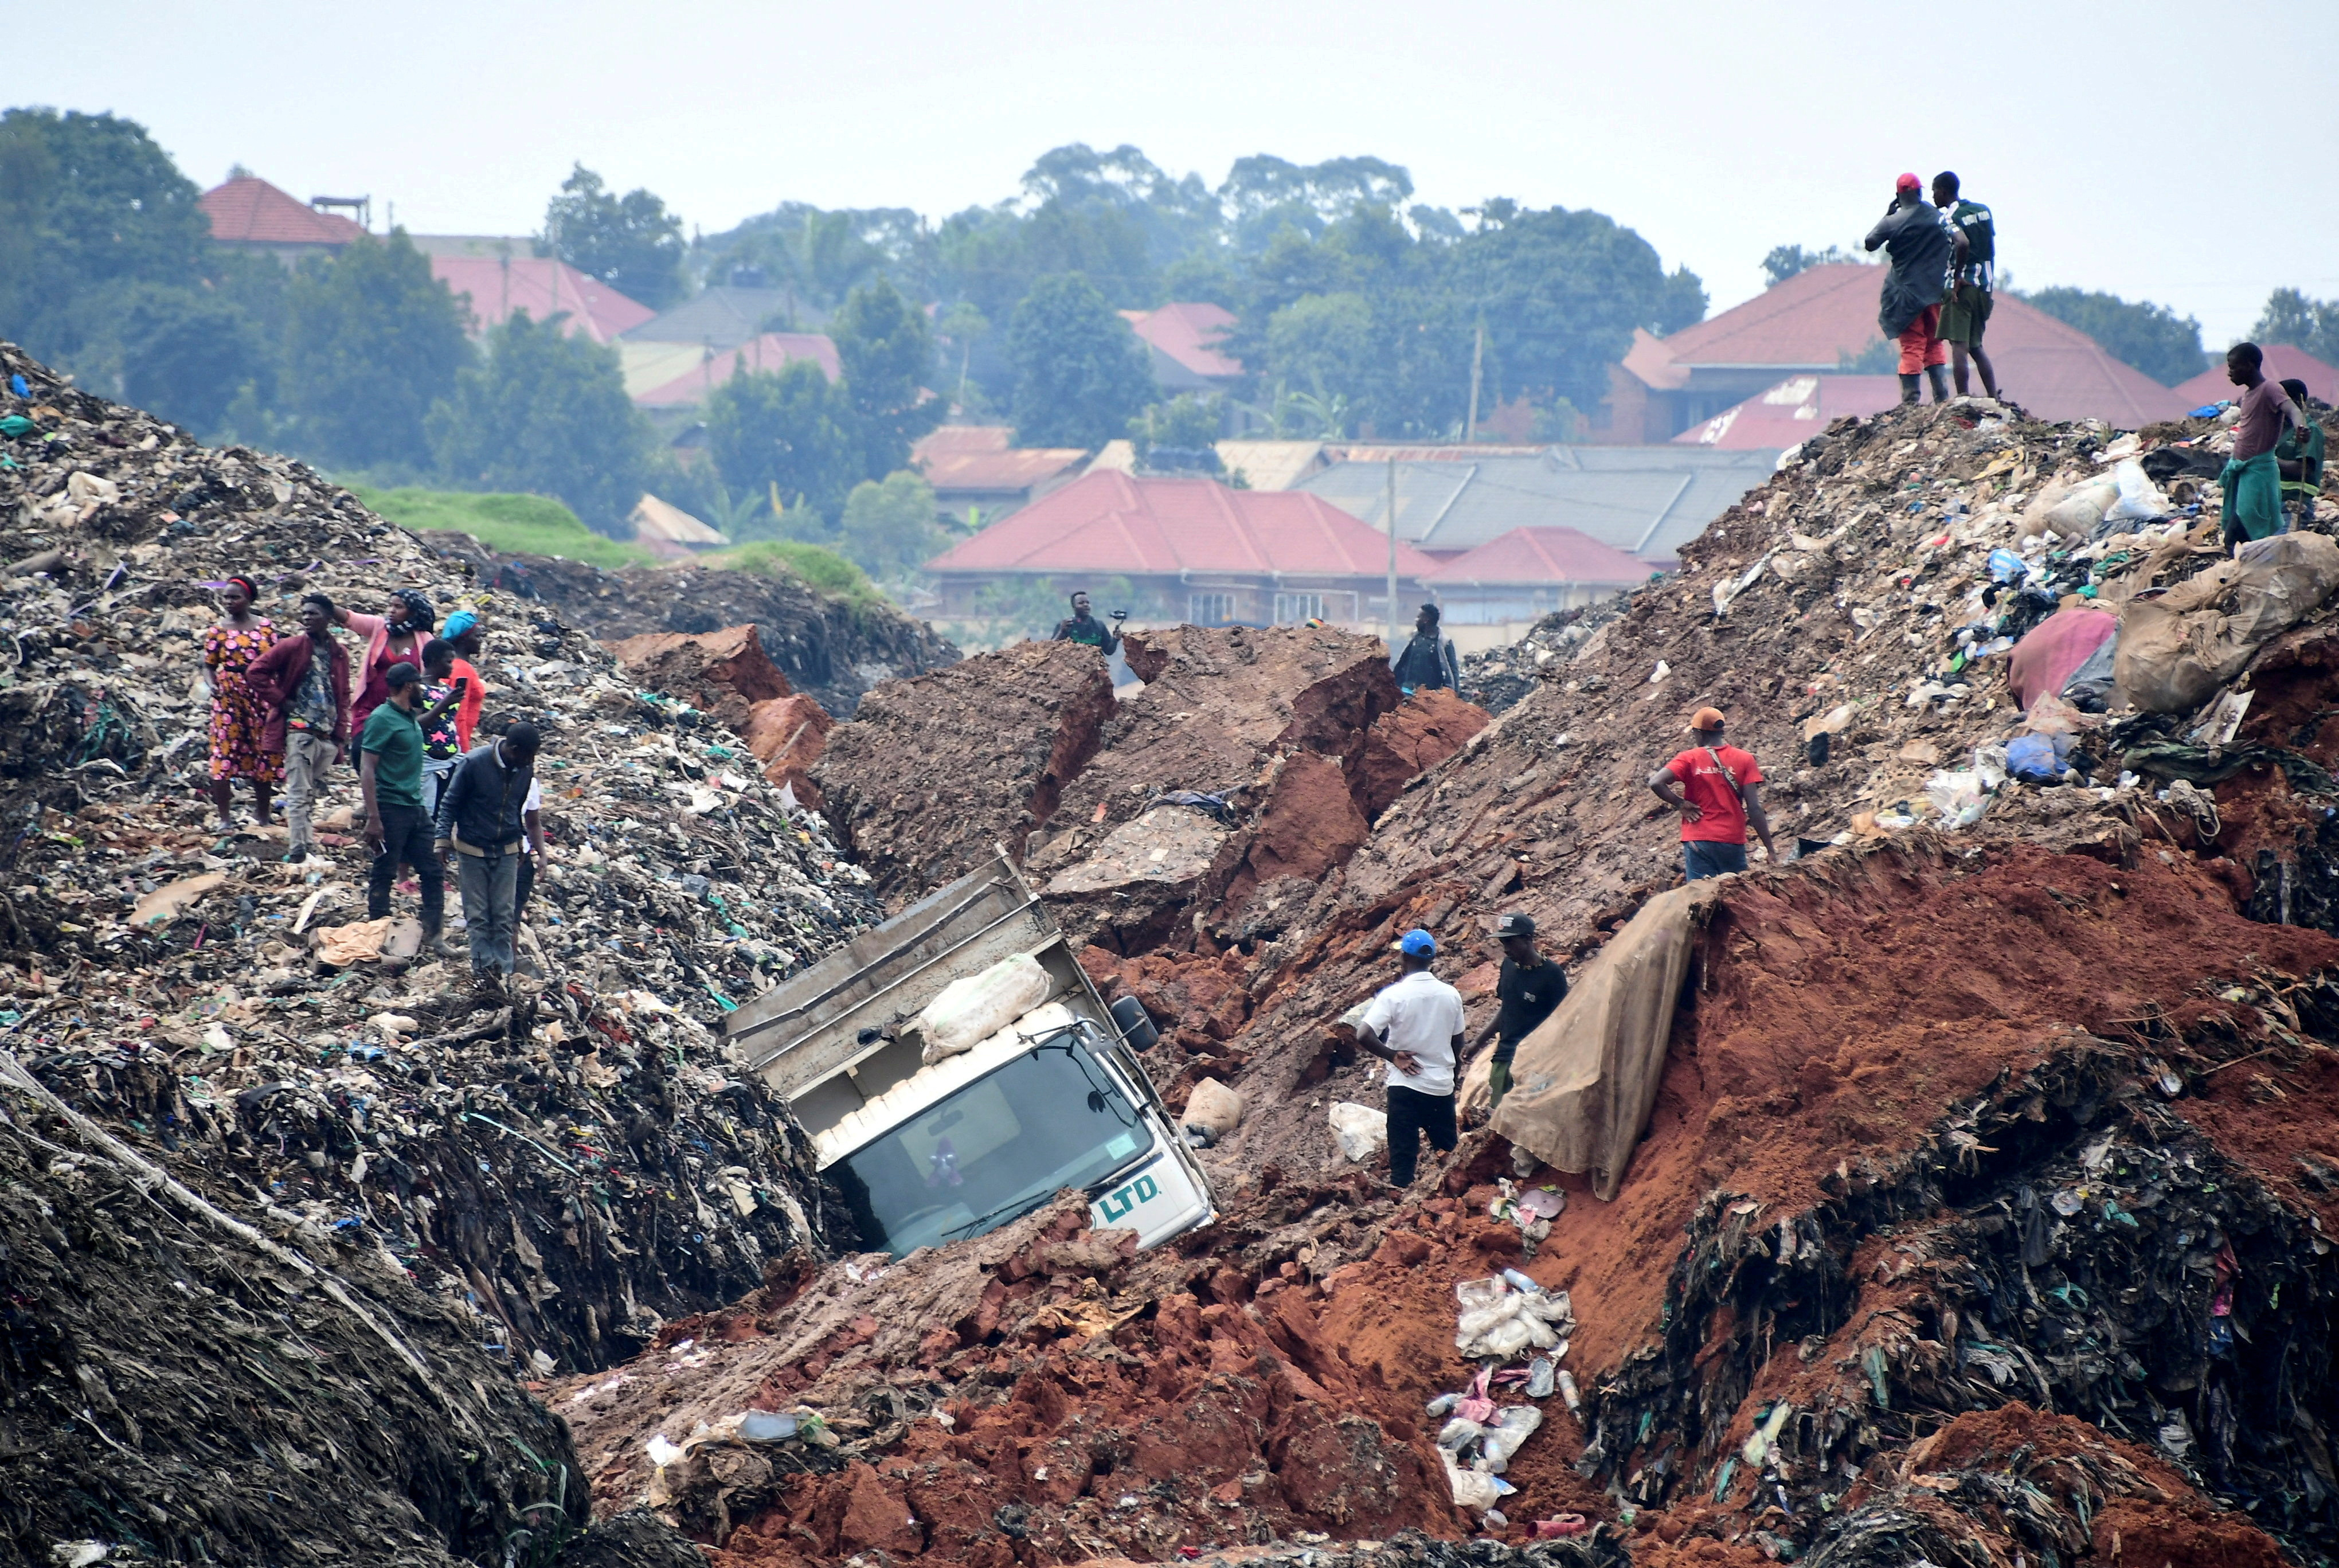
<point x="959" y="458"/>
<point x="248" y="210"/>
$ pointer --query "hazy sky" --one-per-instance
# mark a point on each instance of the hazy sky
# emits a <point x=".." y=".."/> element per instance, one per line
<point x="2141" y="148"/>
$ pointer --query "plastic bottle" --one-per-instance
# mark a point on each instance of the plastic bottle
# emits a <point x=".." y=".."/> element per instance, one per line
<point x="1567" y="1391"/>
<point x="1518" y="1281"/>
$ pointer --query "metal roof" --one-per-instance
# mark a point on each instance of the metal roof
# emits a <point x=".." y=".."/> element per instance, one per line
<point x="1793" y="412"/>
<point x="983" y="458"/>
<point x="724" y="317"/>
<point x="543" y="286"/>
<point x="1647" y="501"/>
<point x="671" y="375"/>
<point x="1189" y="334"/>
<point x="1538" y="557"/>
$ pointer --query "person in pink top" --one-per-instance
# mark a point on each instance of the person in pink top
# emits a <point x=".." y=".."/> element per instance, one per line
<point x="1719" y="797"/>
<point x="394" y="638"/>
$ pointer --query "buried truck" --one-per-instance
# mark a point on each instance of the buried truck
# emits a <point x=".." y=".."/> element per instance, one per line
<point x="957" y="1069"/>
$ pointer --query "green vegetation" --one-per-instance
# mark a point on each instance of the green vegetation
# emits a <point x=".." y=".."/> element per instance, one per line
<point x="2291" y="317"/>
<point x="515" y="524"/>
<point x="2152" y="338"/>
<point x="817" y="567"/>
<point x="630" y="242"/>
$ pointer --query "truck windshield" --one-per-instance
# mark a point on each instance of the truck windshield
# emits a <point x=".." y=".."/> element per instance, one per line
<point x="997" y="1148"/>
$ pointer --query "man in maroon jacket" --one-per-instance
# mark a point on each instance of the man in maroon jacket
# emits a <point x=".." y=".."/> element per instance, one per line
<point x="308" y="704"/>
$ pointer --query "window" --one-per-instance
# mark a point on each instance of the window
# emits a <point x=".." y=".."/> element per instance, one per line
<point x="1290" y="609"/>
<point x="1209" y="609"/>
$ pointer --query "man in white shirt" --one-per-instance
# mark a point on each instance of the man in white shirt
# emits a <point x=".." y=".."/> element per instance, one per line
<point x="1415" y="1026"/>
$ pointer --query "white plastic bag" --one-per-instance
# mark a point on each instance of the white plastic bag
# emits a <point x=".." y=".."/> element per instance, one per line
<point x="2140" y="499"/>
<point x="2077" y="514"/>
<point x="977" y="1006"/>
<point x="1513" y="1428"/>
<point x="1361" y="1130"/>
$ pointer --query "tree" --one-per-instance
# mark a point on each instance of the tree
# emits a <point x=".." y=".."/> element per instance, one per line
<point x="186" y="353"/>
<point x="1563" y="291"/>
<point x="787" y="432"/>
<point x="372" y="340"/>
<point x="887" y="353"/>
<point x="2290" y="316"/>
<point x="1179" y="435"/>
<point x="890" y="528"/>
<point x="1786" y="261"/>
<point x="546" y="414"/>
<point x="1323" y="343"/>
<point x="630" y="242"/>
<point x="1081" y="374"/>
<point x="2153" y="338"/>
<point x="89" y="208"/>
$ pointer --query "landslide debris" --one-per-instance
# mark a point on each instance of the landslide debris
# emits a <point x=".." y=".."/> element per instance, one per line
<point x="576" y="1167"/>
<point x="833" y="648"/>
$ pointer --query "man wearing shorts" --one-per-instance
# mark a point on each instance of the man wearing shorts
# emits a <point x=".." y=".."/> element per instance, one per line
<point x="1966" y="311"/>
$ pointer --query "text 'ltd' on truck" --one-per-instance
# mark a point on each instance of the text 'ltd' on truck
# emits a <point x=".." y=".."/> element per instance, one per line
<point x="956" y="1067"/>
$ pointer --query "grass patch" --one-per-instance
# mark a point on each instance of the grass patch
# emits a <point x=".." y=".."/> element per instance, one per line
<point x="817" y="567"/>
<point x="515" y="524"/>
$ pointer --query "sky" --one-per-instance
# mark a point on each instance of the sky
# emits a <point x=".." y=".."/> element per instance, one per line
<point x="2121" y="148"/>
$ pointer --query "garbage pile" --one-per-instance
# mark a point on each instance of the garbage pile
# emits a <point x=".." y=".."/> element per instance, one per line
<point x="1496" y="678"/>
<point x="571" y="1169"/>
<point x="834" y="649"/>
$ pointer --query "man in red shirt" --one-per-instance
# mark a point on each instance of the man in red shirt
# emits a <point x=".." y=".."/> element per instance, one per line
<point x="1718" y="795"/>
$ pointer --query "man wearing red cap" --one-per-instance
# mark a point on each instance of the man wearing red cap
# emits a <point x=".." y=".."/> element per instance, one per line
<point x="1718" y="795"/>
<point x="1919" y="242"/>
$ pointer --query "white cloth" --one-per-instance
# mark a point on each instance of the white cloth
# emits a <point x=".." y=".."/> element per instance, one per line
<point x="535" y="801"/>
<point x="1420" y="1013"/>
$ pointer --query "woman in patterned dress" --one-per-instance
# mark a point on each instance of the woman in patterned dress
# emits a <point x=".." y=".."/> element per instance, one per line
<point x="237" y="718"/>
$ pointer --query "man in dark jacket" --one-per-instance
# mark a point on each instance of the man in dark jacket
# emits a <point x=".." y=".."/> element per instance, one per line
<point x="307" y="699"/>
<point x="1913" y="233"/>
<point x="1427" y="659"/>
<point x="482" y="822"/>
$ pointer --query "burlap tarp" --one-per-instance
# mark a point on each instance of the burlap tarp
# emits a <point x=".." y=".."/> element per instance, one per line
<point x="2177" y="648"/>
<point x="1582" y="1084"/>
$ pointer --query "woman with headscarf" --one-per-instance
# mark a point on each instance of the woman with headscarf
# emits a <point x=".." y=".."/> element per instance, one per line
<point x="239" y="719"/>
<point x="395" y="638"/>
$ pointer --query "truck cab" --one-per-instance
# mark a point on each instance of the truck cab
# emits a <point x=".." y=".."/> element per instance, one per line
<point x="926" y="1153"/>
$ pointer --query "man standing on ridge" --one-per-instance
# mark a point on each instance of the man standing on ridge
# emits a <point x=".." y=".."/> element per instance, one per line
<point x="1426" y="661"/>
<point x="1530" y="987"/>
<point x="1415" y="1026"/>
<point x="1914" y="233"/>
<point x="2252" y="480"/>
<point x="1720" y="795"/>
<point x="482" y="822"/>
<point x="1966" y="311"/>
<point x="1082" y="626"/>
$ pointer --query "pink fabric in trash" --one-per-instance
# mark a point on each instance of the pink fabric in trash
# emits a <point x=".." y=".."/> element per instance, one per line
<point x="2054" y="647"/>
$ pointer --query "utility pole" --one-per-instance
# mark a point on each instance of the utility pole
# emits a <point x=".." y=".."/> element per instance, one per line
<point x="1477" y="358"/>
<point x="1392" y="558"/>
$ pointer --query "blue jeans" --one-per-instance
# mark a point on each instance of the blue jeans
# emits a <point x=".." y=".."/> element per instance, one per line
<point x="489" y="883"/>
<point x="1701" y="859"/>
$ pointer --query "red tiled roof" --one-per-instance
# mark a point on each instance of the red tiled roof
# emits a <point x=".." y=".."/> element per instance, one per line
<point x="1793" y="412"/>
<point x="2282" y="363"/>
<point x="542" y="286"/>
<point x="984" y="458"/>
<point x="767" y="352"/>
<point x="1189" y="334"/>
<point x="1114" y="522"/>
<point x="1541" y="556"/>
<point x="248" y="210"/>
<point x="1813" y="319"/>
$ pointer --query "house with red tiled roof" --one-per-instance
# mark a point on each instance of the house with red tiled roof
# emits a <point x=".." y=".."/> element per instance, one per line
<point x="1528" y="573"/>
<point x="674" y="377"/>
<point x="1186" y="346"/>
<point x="2284" y="363"/>
<point x="1820" y="319"/>
<point x="503" y="274"/>
<point x="1793" y="412"/>
<point x="1191" y="550"/>
<point x="249" y="214"/>
<point x="980" y="475"/>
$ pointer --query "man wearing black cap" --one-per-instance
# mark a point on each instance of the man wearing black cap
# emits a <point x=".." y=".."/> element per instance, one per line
<point x="389" y="774"/>
<point x="1531" y="986"/>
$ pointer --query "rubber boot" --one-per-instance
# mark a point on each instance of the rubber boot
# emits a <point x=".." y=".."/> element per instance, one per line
<point x="1940" y="376"/>
<point x="1909" y="393"/>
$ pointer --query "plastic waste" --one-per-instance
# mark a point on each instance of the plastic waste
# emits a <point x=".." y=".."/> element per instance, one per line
<point x="972" y="1009"/>
<point x="1359" y="1129"/>
<point x="1539" y="1377"/>
<point x="1512" y="1428"/>
<point x="2006" y="566"/>
<point x="1459" y="1433"/>
<point x="1567" y="1391"/>
<point x="767" y="1426"/>
<point x="2139" y="499"/>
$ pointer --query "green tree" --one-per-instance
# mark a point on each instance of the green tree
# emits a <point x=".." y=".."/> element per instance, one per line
<point x="2290" y="316"/>
<point x="186" y="353"/>
<point x="1563" y="291"/>
<point x="2153" y="338"/>
<point x="546" y="414"/>
<point x="788" y="432"/>
<point x="1326" y="342"/>
<point x="1786" y="261"/>
<point x="1081" y="374"/>
<point x="630" y="242"/>
<point x="890" y="528"/>
<point x="371" y="341"/>
<point x="887" y="353"/>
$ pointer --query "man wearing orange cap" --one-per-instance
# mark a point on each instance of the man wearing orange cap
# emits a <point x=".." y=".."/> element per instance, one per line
<point x="1718" y="790"/>
<point x="1920" y="241"/>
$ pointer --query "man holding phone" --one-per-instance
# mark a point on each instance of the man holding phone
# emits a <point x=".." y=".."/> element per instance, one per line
<point x="1084" y="627"/>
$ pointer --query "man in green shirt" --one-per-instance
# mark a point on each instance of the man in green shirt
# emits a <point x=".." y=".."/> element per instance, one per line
<point x="2298" y="458"/>
<point x="1973" y="275"/>
<point x="389" y="774"/>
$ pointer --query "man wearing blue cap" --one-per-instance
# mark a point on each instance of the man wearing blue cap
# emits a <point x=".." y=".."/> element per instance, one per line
<point x="1415" y="1026"/>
